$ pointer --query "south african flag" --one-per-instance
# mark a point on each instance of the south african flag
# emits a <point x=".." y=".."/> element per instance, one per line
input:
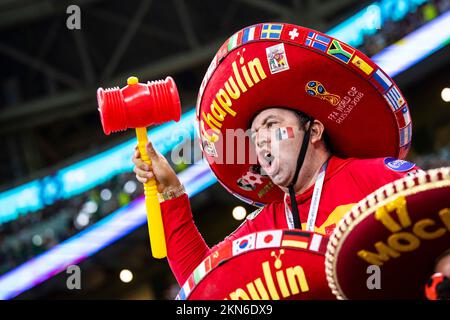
<point x="340" y="51"/>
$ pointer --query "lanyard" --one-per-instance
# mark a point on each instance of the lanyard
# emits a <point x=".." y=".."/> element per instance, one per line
<point x="313" y="209"/>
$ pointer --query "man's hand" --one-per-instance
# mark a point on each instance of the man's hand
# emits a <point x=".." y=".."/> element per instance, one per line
<point x="165" y="176"/>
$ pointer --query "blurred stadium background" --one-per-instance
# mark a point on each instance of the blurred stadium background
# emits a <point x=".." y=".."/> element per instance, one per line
<point x="67" y="192"/>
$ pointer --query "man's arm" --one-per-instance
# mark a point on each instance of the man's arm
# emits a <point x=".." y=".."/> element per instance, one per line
<point x="186" y="247"/>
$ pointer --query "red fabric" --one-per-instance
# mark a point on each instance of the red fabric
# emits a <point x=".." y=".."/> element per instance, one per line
<point x="346" y="182"/>
<point x="223" y="282"/>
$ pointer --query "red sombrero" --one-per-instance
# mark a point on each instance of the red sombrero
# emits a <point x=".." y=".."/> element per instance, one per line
<point x="402" y="228"/>
<point x="266" y="265"/>
<point x="276" y="64"/>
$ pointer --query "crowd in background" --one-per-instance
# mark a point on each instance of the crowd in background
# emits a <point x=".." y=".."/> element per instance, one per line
<point x="35" y="232"/>
<point x="392" y="31"/>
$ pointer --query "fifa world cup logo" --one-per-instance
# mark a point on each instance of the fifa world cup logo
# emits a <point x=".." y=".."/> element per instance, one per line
<point x="316" y="89"/>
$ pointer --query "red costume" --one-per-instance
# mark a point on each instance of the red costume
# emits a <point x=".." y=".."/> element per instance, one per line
<point x="274" y="64"/>
<point x="346" y="182"/>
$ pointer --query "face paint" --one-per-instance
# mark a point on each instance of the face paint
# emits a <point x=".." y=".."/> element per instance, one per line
<point x="284" y="133"/>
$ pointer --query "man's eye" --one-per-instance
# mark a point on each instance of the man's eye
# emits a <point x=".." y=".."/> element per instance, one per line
<point x="270" y="124"/>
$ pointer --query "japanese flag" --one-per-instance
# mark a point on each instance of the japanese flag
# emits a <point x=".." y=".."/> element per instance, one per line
<point x="285" y="133"/>
<point x="268" y="239"/>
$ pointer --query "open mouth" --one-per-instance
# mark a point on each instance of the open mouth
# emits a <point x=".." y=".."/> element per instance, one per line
<point x="268" y="163"/>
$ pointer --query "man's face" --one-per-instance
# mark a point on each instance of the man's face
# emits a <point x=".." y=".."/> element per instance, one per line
<point x="277" y="137"/>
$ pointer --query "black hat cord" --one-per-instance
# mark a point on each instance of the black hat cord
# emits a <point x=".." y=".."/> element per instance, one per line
<point x="300" y="160"/>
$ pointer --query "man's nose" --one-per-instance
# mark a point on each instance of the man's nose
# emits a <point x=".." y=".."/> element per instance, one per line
<point x="263" y="138"/>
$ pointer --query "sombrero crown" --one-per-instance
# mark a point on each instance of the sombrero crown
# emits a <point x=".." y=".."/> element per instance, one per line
<point x="277" y="64"/>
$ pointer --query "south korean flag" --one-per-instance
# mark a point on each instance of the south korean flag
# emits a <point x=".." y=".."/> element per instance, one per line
<point x="244" y="244"/>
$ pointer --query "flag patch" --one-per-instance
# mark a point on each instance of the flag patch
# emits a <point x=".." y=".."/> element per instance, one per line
<point x="293" y="34"/>
<point x="182" y="295"/>
<point x="268" y="239"/>
<point x="191" y="282"/>
<point x="243" y="244"/>
<point x="284" y="133"/>
<point x="317" y="41"/>
<point x="381" y="80"/>
<point x="248" y="34"/>
<point x="223" y="253"/>
<point x="403" y="117"/>
<point x="202" y="270"/>
<point x="362" y="65"/>
<point x="406" y="115"/>
<point x="185" y="290"/>
<point x="271" y="31"/>
<point x="340" y="51"/>
<point x="394" y="98"/>
<point x="295" y="239"/>
<point x="235" y="40"/>
<point x="315" y="242"/>
<point x="405" y="135"/>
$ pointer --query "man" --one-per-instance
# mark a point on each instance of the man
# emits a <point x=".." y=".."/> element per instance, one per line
<point x="307" y="140"/>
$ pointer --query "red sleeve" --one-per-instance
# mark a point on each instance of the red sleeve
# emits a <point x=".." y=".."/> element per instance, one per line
<point x="186" y="247"/>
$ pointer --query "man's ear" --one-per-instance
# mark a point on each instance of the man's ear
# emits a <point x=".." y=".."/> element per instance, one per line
<point x="317" y="131"/>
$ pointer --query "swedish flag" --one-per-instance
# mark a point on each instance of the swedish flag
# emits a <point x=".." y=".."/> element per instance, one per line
<point x="271" y="31"/>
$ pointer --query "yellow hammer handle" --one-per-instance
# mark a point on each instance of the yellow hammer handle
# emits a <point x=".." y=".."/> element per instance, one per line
<point x="154" y="218"/>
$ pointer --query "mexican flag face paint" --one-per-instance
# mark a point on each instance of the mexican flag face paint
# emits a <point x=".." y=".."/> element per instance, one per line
<point x="284" y="133"/>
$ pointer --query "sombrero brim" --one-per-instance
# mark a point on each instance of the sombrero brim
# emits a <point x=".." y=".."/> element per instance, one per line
<point x="267" y="265"/>
<point x="401" y="228"/>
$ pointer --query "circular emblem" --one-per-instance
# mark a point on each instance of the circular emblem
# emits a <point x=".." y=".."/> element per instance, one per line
<point x="398" y="165"/>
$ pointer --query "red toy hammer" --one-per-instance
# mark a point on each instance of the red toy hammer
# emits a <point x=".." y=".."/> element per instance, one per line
<point x="139" y="105"/>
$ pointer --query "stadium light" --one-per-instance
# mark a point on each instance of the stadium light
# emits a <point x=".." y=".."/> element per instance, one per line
<point x="126" y="276"/>
<point x="239" y="213"/>
<point x="106" y="194"/>
<point x="445" y="94"/>
<point x="130" y="187"/>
